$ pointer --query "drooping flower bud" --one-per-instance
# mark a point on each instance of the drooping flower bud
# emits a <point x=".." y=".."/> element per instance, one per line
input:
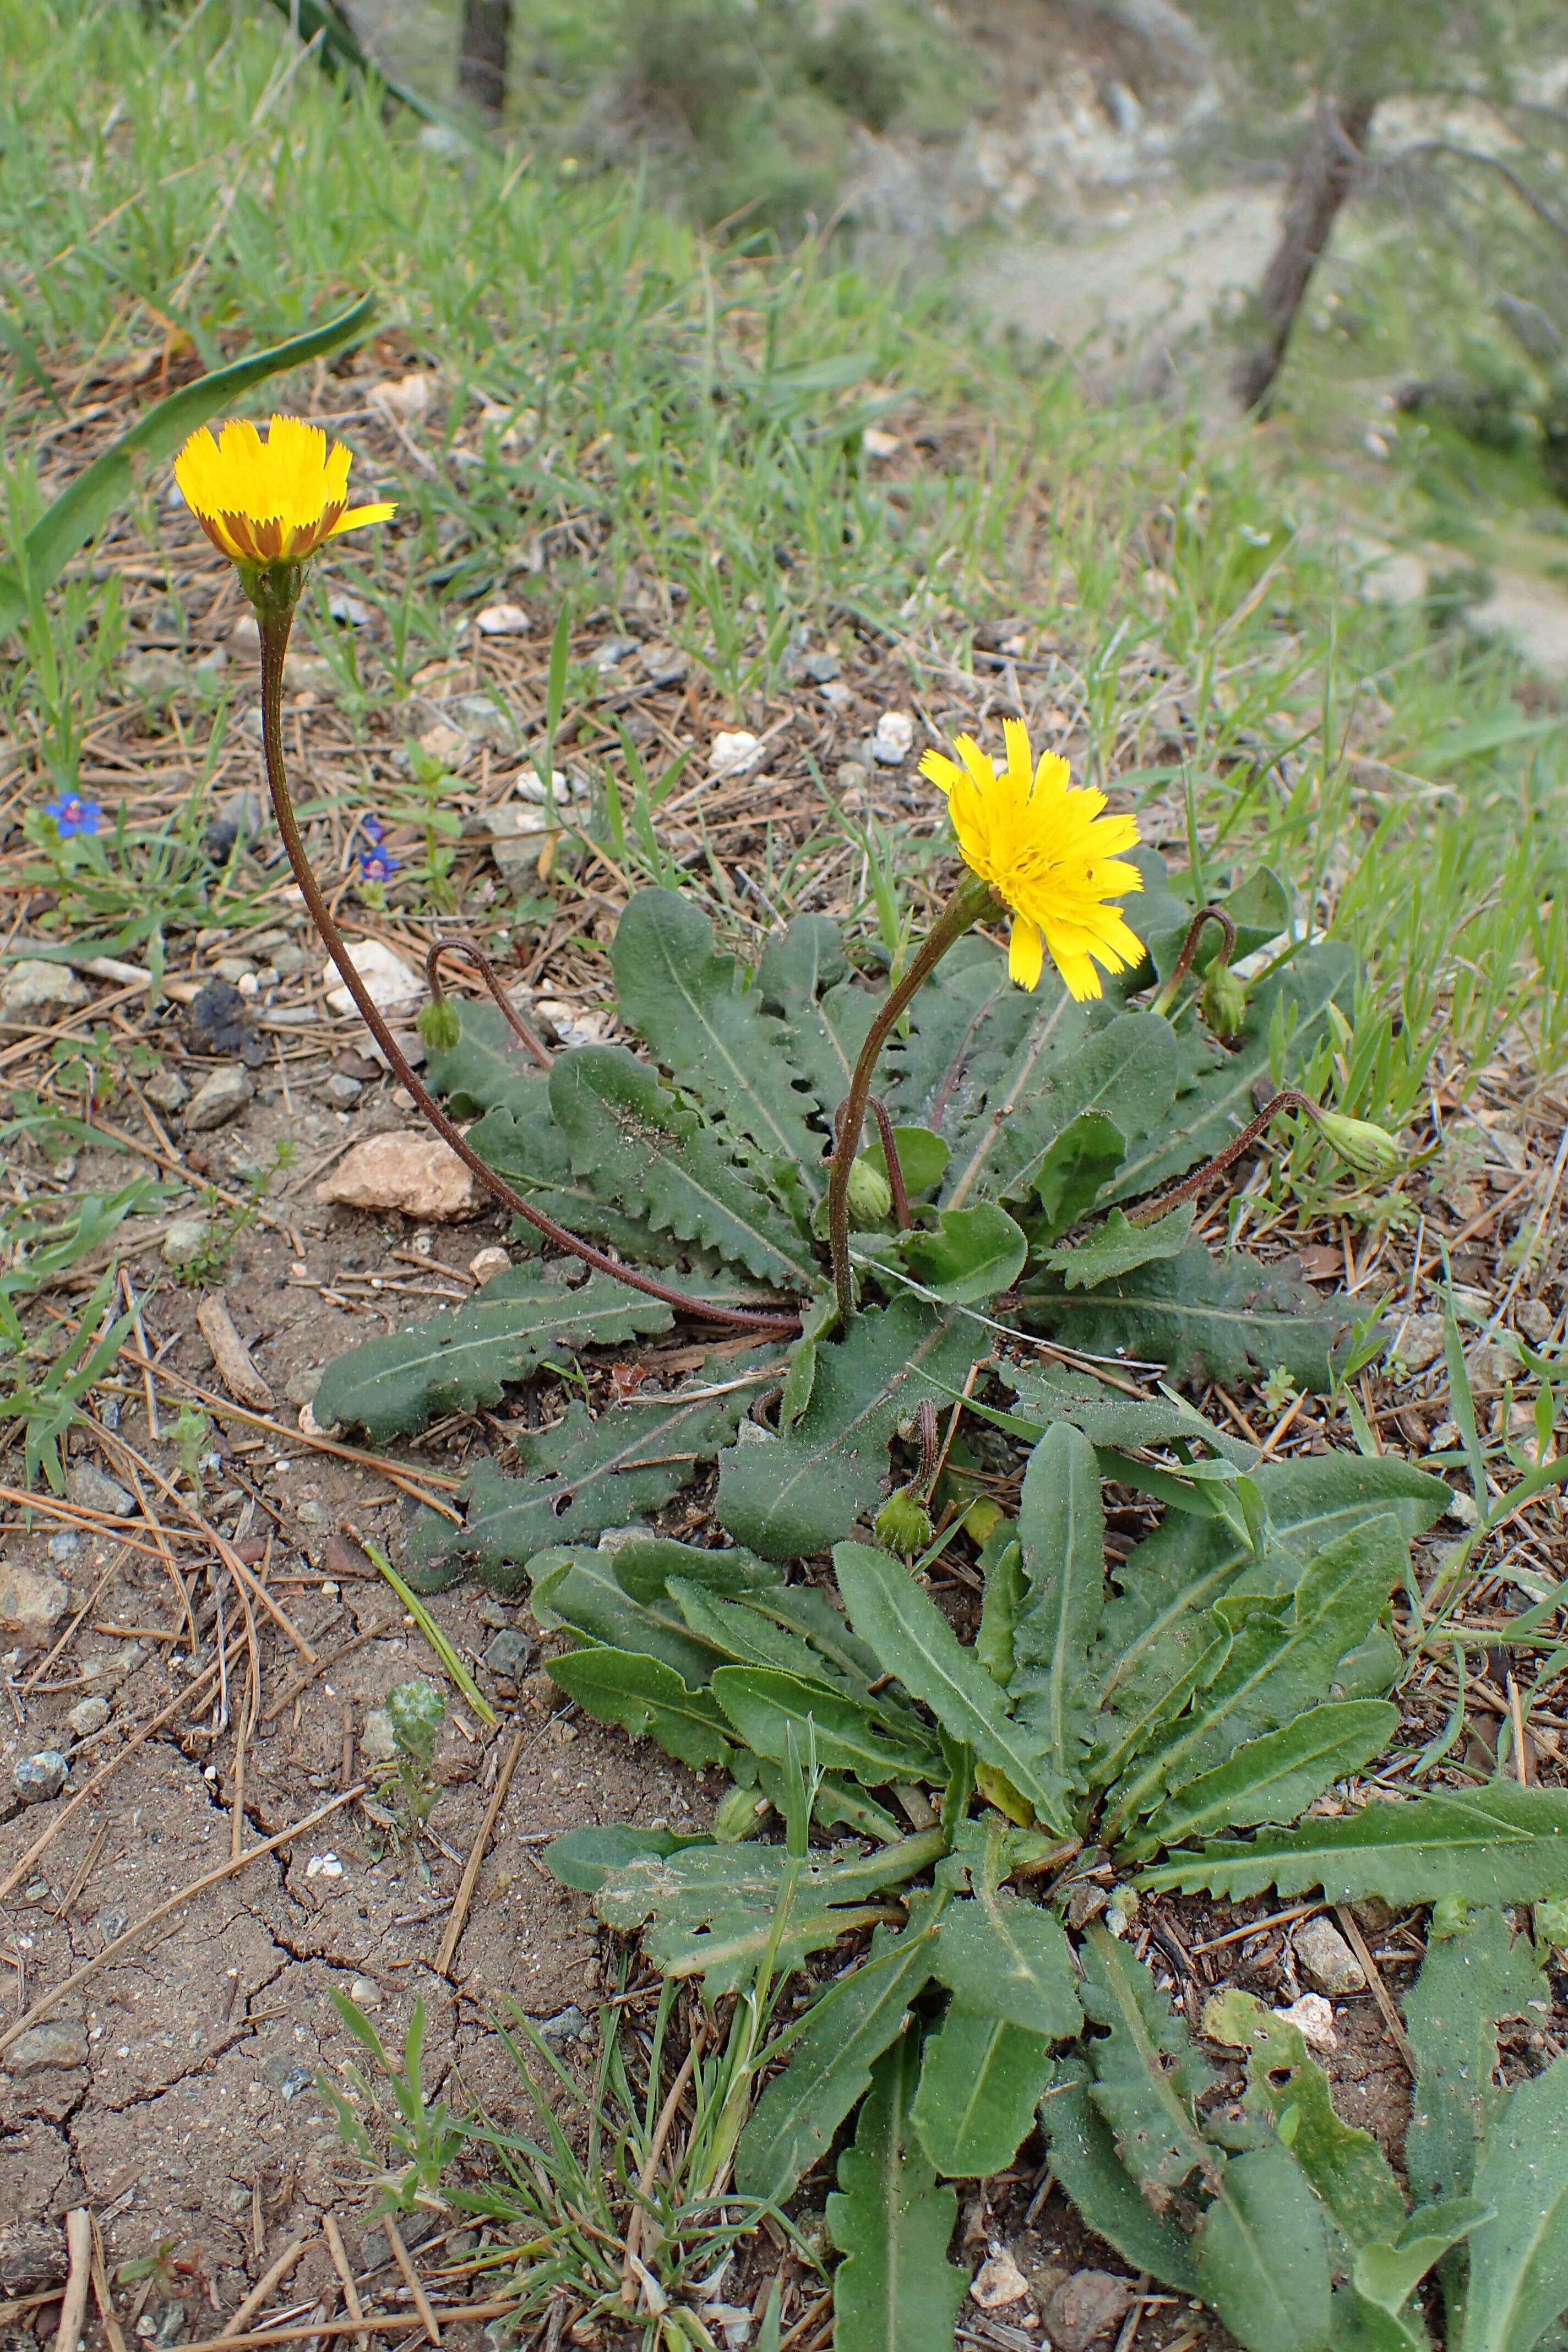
<point x="440" y="1024"/>
<point x="903" y="1523"/>
<point x="870" y="1195"/>
<point x="1365" y="1146"/>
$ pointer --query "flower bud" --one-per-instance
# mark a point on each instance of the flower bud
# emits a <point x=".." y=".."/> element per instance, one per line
<point x="739" y="1815"/>
<point x="903" y="1523"/>
<point x="1367" y="1147"/>
<point x="870" y="1195"/>
<point x="440" y="1024"/>
<point x="1224" y="1001"/>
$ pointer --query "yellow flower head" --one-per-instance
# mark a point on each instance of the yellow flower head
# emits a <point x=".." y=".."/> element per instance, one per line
<point x="271" y="501"/>
<point x="1046" y="849"/>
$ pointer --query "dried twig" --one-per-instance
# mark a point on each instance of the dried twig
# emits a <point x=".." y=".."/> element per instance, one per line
<point x="411" y="2279"/>
<point x="1374" y="1975"/>
<point x="465" y="1894"/>
<point x="73" y="2309"/>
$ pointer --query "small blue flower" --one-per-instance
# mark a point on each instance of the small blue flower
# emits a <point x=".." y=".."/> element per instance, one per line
<point x="72" y="816"/>
<point x="377" y="865"/>
<point x="374" y="830"/>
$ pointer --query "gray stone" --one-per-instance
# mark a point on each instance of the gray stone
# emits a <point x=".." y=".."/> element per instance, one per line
<point x="185" y="1240"/>
<point x="566" y="2025"/>
<point x="168" y="1091"/>
<point x="222" y="1098"/>
<point x="1086" y="2307"/>
<point x="37" y="1778"/>
<point x="88" y="1715"/>
<point x="30" y="1605"/>
<point x="62" y="1545"/>
<point x="312" y="1513"/>
<point x="822" y="668"/>
<point x="510" y="1656"/>
<point x="47" y="2045"/>
<point x="377" y="1743"/>
<point x="289" y="961"/>
<point x="91" y="1490"/>
<point x="33" y="985"/>
<point x="365" y="1993"/>
<point x="1326" y="1960"/>
<point x="233" y="969"/>
<point x="300" y="1387"/>
<point x="1419" y="1341"/>
<point x="154" y="672"/>
<point x="344" y="1091"/>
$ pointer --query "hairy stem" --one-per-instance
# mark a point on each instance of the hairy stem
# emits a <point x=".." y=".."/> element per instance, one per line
<point x="275" y="625"/>
<point x="968" y="903"/>
<point x="1184" y="963"/>
<point x="1288" y="1099"/>
<point x="472" y="954"/>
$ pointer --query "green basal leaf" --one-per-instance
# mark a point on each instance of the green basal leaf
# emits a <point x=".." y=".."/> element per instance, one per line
<point x="764" y="1706"/>
<point x="830" y="2064"/>
<point x="1213" y="1094"/>
<point x="1000" y="1953"/>
<point x="1205" y="1319"/>
<point x="1345" y="2166"/>
<point x="578" y="1587"/>
<point x="704" y="1024"/>
<point x="1061" y="1527"/>
<point x="715" y="1910"/>
<point x="572" y="1482"/>
<point x="1261" y="2254"/>
<point x="640" y="1148"/>
<point x="1470" y="1982"/>
<point x="748" y="1637"/>
<point x="1276" y="1777"/>
<point x="1278" y="1665"/>
<point x="646" y="1699"/>
<point x="922" y="1077"/>
<point x="1497" y="1844"/>
<point x="647" y="1566"/>
<point x="1051" y="1392"/>
<point x="1002" y="1563"/>
<point x="895" y="2291"/>
<point x="908" y="1631"/>
<point x="1084" y="2159"/>
<point x="806" y="978"/>
<point x="981" y="2080"/>
<point x="802" y="1491"/>
<point x="584" y="1858"/>
<point x="971" y="1255"/>
<point x="1074" y="1170"/>
<point x="459" y="1362"/>
<point x="1070" y="1064"/>
<point x="1148" y="2076"/>
<point x="1116" y="1248"/>
<point x="1519" y="2256"/>
<point x="1387" y="2275"/>
<point x="488" y="1069"/>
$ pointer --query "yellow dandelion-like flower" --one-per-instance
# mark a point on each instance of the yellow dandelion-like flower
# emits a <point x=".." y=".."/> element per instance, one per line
<point x="1046" y="850"/>
<point x="273" y="500"/>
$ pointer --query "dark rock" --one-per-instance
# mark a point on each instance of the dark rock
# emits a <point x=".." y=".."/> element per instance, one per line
<point x="37" y="1778"/>
<point x="215" y="1024"/>
<point x="510" y="1656"/>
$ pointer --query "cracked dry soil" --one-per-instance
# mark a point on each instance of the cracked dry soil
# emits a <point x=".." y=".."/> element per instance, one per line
<point x="175" y="2094"/>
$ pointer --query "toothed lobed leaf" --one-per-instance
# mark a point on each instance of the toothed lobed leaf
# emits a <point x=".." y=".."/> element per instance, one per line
<point x="1118" y="1247"/>
<point x="1496" y="1844"/>
<point x="701" y="1016"/>
<point x="710" y="1910"/>
<point x="647" y="1698"/>
<point x="1148" y="2074"/>
<point x="458" y="1361"/>
<point x="1275" y="1778"/>
<point x="1084" y="2159"/>
<point x="639" y="1148"/>
<point x="1205" y="1319"/>
<point x="803" y="1491"/>
<point x="1072" y="1064"/>
<point x="895" y="2290"/>
<point x="806" y="978"/>
<point x="572" y="1482"/>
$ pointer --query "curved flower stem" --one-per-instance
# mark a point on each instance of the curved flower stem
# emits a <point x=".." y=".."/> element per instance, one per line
<point x="1184" y="963"/>
<point x="1288" y="1099"/>
<point x="475" y="955"/>
<point x="968" y="903"/>
<point x="275" y="625"/>
<point x="878" y="1110"/>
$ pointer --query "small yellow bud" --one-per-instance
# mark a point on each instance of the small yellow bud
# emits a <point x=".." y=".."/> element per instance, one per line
<point x="903" y="1523"/>
<point x="1370" y="1148"/>
<point x="870" y="1195"/>
<point x="440" y="1024"/>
